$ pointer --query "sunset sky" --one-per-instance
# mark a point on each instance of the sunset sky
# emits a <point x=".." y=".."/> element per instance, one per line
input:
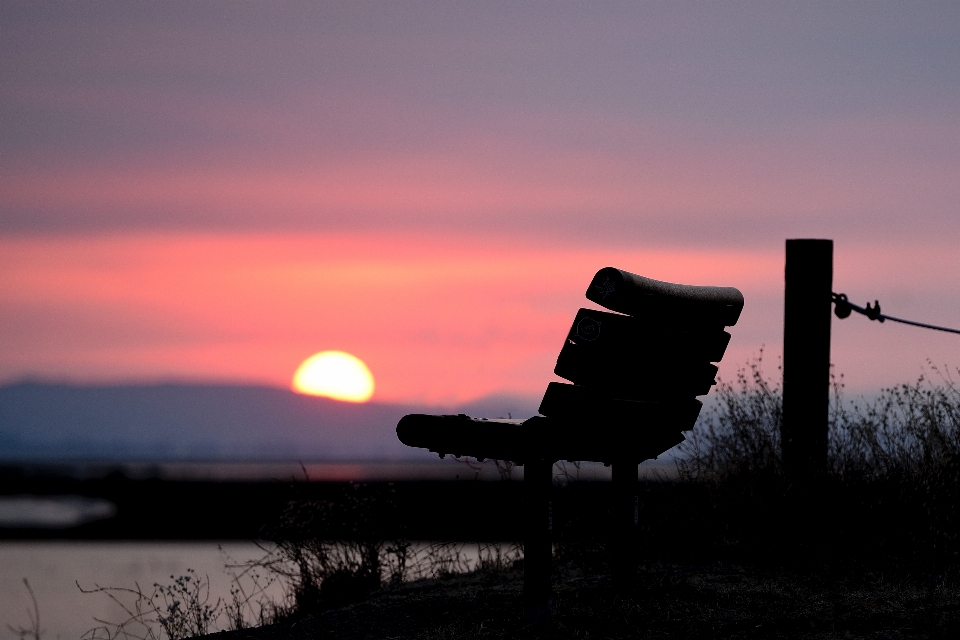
<point x="213" y="191"/>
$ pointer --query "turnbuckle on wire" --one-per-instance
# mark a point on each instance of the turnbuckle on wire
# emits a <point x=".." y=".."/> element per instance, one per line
<point x="843" y="307"/>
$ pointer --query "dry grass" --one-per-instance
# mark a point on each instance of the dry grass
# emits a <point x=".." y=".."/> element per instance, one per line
<point x="668" y="602"/>
<point x="893" y="467"/>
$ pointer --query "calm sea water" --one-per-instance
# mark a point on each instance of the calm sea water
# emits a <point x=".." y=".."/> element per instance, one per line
<point x="54" y="569"/>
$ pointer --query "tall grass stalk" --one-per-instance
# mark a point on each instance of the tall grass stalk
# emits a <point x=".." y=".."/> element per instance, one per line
<point x="739" y="434"/>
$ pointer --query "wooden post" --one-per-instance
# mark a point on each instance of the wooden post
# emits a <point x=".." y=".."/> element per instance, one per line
<point x="537" y="534"/>
<point x="806" y="359"/>
<point x="623" y="557"/>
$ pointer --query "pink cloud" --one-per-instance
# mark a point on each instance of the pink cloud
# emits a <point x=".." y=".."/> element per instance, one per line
<point x="437" y="318"/>
<point x="849" y="179"/>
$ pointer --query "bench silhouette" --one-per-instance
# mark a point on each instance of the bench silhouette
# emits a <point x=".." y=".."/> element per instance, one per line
<point x="635" y="376"/>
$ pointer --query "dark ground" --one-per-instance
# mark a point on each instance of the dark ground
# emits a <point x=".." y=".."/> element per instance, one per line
<point x="737" y="560"/>
<point x="668" y="602"/>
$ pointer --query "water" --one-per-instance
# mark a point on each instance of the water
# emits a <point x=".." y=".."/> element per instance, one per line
<point x="54" y="569"/>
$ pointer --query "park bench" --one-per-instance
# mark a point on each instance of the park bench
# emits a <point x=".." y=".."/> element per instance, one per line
<point x="635" y="373"/>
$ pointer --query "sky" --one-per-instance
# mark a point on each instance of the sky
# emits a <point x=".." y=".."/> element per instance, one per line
<point x="212" y="192"/>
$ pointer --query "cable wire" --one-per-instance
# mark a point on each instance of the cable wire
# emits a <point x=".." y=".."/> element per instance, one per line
<point x="843" y="307"/>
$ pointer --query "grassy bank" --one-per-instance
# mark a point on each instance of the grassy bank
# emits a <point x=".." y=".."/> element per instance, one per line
<point x="669" y="601"/>
<point x="728" y="549"/>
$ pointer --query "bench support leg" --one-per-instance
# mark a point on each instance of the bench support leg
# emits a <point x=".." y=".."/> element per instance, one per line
<point x="537" y="534"/>
<point x="623" y="557"/>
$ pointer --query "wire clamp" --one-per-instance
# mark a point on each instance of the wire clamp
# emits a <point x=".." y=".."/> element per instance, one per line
<point x="842" y="307"/>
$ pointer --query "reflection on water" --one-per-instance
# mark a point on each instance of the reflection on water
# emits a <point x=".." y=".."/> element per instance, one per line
<point x="55" y="568"/>
<point x="52" y="512"/>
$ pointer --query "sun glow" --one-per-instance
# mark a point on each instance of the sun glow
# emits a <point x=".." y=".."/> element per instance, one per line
<point x="334" y="374"/>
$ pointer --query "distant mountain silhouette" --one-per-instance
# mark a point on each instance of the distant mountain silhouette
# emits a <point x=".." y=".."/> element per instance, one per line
<point x="183" y="422"/>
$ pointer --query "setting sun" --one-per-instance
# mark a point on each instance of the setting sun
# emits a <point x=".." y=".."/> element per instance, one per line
<point x="334" y="374"/>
